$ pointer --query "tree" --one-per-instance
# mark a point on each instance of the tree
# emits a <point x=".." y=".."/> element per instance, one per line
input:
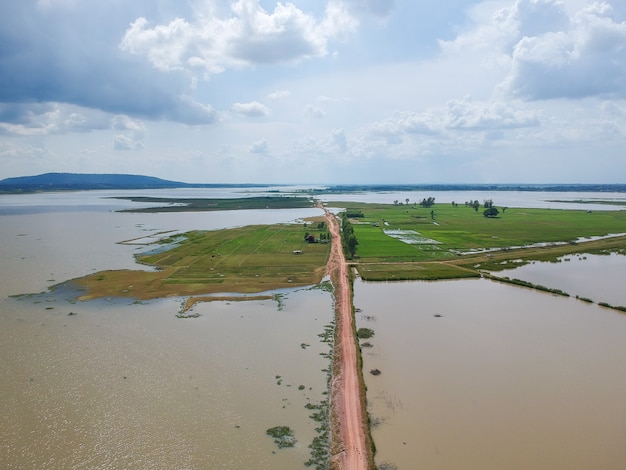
<point x="491" y="212"/>
<point x="348" y="238"/>
<point x="427" y="202"/>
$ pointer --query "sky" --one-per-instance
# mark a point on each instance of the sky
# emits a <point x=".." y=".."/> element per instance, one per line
<point x="316" y="91"/>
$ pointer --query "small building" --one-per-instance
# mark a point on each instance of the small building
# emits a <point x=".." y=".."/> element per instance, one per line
<point x="297" y="252"/>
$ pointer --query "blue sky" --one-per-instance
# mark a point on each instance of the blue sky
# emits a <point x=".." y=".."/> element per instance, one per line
<point x="312" y="91"/>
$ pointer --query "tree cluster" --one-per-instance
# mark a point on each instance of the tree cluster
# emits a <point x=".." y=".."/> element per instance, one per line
<point x="348" y="239"/>
<point x="428" y="202"/>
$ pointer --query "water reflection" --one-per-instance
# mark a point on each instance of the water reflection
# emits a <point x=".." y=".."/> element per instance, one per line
<point x="480" y="375"/>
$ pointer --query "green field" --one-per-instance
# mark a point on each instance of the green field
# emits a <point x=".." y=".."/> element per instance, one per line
<point x="451" y="243"/>
<point x="450" y="234"/>
<point x="214" y="204"/>
<point x="245" y="260"/>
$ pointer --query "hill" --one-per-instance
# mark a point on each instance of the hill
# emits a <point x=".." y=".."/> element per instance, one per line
<point x="83" y="181"/>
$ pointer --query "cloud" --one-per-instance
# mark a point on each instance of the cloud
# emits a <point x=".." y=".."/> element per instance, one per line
<point x="548" y="51"/>
<point x="253" y="109"/>
<point x="31" y="119"/>
<point x="122" y="122"/>
<point x="461" y="126"/>
<point x="311" y="111"/>
<point x="28" y="151"/>
<point x="470" y="115"/>
<point x="340" y="140"/>
<point x="586" y="59"/>
<point x="133" y="133"/>
<point x="50" y="54"/>
<point x="279" y="94"/>
<point x="249" y="36"/>
<point x="126" y="142"/>
<point x="260" y="146"/>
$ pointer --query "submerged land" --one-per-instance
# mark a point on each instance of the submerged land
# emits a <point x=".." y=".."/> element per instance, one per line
<point x="382" y="242"/>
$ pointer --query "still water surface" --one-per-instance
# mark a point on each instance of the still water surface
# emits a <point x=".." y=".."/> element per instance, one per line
<point x="599" y="278"/>
<point x="119" y="384"/>
<point x="506" y="378"/>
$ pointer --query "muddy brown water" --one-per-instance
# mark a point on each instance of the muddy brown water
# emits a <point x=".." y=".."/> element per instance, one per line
<point x="504" y="378"/>
<point x="119" y="384"/>
<point x="481" y="375"/>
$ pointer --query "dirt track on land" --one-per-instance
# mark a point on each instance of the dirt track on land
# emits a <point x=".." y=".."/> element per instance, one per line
<point x="347" y="416"/>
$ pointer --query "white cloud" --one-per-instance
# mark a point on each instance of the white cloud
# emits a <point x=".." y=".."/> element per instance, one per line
<point x="38" y="119"/>
<point x="253" y="109"/>
<point x="260" y="146"/>
<point x="133" y="133"/>
<point x="249" y="36"/>
<point x="18" y="152"/>
<point x="125" y="123"/>
<point x="279" y="94"/>
<point x="340" y="139"/>
<point x="550" y="52"/>
<point x="587" y="59"/>
<point x="311" y="111"/>
<point x="126" y="142"/>
<point x="469" y="114"/>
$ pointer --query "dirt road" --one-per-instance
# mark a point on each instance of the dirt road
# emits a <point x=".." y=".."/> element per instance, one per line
<point x="347" y="407"/>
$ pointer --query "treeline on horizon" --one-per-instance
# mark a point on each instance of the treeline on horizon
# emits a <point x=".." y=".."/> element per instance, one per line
<point x="577" y="187"/>
<point x="85" y="181"/>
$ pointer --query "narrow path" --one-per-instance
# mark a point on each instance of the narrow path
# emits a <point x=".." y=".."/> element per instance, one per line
<point x="347" y="407"/>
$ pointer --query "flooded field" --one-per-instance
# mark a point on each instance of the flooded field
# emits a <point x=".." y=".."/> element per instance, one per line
<point x="119" y="384"/>
<point x="599" y="278"/>
<point x="480" y="375"/>
<point x="474" y="374"/>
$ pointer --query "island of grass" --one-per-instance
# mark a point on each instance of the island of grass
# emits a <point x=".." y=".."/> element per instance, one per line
<point x="447" y="241"/>
<point x="245" y="260"/>
<point x="218" y="204"/>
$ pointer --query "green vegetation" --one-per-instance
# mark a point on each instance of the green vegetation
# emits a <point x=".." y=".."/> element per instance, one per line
<point x="246" y="260"/>
<point x="348" y="239"/>
<point x="364" y="333"/>
<point x="203" y="204"/>
<point x="519" y="282"/>
<point x="320" y="447"/>
<point x="443" y="241"/>
<point x="283" y="436"/>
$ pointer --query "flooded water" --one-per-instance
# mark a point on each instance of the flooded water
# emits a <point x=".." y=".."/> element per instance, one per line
<point x="596" y="277"/>
<point x="504" y="378"/>
<point x="481" y="375"/>
<point x="534" y="199"/>
<point x="114" y="384"/>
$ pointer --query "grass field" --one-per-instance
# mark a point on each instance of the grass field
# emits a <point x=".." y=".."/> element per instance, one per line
<point x="447" y="244"/>
<point x="221" y="204"/>
<point x="246" y="260"/>
<point x="441" y="236"/>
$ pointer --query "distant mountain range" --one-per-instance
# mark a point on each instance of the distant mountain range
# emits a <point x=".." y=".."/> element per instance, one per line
<point x="82" y="181"/>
